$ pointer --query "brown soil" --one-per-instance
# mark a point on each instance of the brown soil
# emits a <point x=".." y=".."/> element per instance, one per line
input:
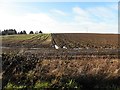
<point x="84" y="40"/>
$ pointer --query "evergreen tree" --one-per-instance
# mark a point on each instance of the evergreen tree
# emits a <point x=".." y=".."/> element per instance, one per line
<point x="31" y="32"/>
<point x="24" y="32"/>
<point x="40" y="31"/>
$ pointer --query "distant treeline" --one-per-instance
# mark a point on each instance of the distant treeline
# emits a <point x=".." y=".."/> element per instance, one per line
<point x="13" y="32"/>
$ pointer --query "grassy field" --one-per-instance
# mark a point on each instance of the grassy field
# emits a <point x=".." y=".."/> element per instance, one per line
<point x="31" y="40"/>
<point x="19" y="37"/>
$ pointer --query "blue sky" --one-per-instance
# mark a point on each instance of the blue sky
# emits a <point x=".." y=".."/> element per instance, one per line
<point x="60" y="17"/>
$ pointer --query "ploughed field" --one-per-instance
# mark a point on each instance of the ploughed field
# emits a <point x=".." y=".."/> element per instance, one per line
<point x="70" y="40"/>
<point x="87" y="40"/>
<point x="74" y="67"/>
<point x="68" y="54"/>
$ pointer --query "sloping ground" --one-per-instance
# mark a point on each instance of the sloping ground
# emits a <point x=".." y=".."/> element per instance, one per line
<point x="30" y="41"/>
<point x="86" y="40"/>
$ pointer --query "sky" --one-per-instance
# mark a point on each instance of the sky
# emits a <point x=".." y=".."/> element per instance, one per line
<point x="60" y="17"/>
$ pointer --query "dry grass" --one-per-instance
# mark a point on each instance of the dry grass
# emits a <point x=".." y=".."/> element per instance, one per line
<point x="105" y="68"/>
<point x="88" y="72"/>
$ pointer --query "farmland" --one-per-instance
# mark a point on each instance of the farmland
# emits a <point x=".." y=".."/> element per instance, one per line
<point x="90" y="40"/>
<point x="74" y="40"/>
<point x="29" y="41"/>
<point x="30" y="61"/>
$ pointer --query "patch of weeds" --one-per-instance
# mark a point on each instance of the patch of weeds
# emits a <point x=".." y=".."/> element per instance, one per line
<point x="72" y="84"/>
<point x="41" y="85"/>
<point x="12" y="86"/>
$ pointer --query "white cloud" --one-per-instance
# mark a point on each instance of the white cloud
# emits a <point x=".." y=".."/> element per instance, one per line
<point x="40" y="18"/>
<point x="55" y="11"/>
<point x="84" y="20"/>
<point x="81" y="16"/>
<point x="80" y="11"/>
<point x="96" y="20"/>
<point x="103" y="13"/>
<point x="28" y="22"/>
<point x="115" y="7"/>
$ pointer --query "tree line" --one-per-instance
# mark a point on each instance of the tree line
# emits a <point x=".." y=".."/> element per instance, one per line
<point x="14" y="31"/>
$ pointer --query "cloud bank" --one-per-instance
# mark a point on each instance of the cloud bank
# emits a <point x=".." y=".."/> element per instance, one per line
<point x="83" y="20"/>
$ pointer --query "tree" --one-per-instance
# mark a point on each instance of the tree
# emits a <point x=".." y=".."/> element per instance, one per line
<point x="40" y="31"/>
<point x="15" y="32"/>
<point x="31" y="32"/>
<point x="21" y="32"/>
<point x="9" y="32"/>
<point x="3" y="33"/>
<point x="18" y="32"/>
<point x="24" y="32"/>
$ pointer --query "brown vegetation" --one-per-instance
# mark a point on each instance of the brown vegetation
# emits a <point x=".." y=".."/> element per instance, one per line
<point x="96" y="64"/>
<point x="27" y="69"/>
